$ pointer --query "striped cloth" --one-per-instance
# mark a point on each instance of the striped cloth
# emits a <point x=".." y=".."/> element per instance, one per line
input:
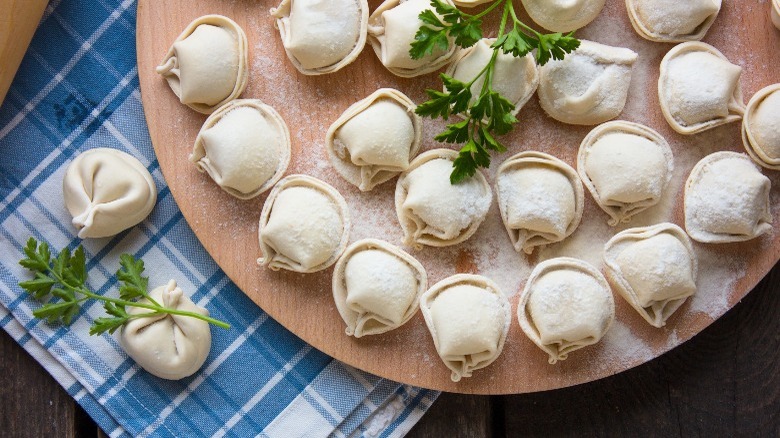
<point x="77" y="89"/>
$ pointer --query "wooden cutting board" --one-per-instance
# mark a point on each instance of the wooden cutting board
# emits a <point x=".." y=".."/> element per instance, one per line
<point x="227" y="227"/>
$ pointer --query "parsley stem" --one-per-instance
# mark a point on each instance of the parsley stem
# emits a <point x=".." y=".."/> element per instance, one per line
<point x="489" y="9"/>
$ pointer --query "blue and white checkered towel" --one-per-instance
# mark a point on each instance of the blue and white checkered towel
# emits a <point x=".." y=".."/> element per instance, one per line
<point x="78" y="89"/>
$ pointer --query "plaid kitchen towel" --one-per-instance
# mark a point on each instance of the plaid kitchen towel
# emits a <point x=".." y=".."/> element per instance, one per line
<point x="77" y="89"/>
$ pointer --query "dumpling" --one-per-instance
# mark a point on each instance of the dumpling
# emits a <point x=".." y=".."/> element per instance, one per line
<point x="377" y="287"/>
<point x="589" y="86"/>
<point x="322" y="36"/>
<point x="304" y="225"/>
<point x="672" y="21"/>
<point x="168" y="346"/>
<point x="107" y="191"/>
<point x="626" y="167"/>
<point x="654" y="269"/>
<point x="468" y="317"/>
<point x="374" y="139"/>
<point x="244" y="146"/>
<point x="727" y="199"/>
<point x="206" y="66"/>
<point x="391" y="30"/>
<point x="434" y="212"/>
<point x="541" y="199"/>
<point x="566" y="305"/>
<point x="699" y="88"/>
<point x="563" y="15"/>
<point x="775" y="13"/>
<point x="515" y="78"/>
<point x="761" y="127"/>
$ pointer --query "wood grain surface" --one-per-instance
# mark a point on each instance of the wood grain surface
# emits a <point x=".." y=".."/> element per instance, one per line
<point x="303" y="303"/>
<point x="18" y="21"/>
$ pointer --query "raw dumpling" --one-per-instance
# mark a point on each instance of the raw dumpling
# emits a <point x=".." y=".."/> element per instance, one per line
<point x="375" y="139"/>
<point x="434" y="212"/>
<point x="589" y="86"/>
<point x="775" y="13"/>
<point x="727" y="199"/>
<point x="206" y="66"/>
<point x="563" y="15"/>
<point x="541" y="199"/>
<point x="515" y="78"/>
<point x="761" y="127"/>
<point x="107" y="191"/>
<point x="468" y="317"/>
<point x="672" y="21"/>
<point x="169" y="346"/>
<point x="699" y="88"/>
<point x="626" y="167"/>
<point x="322" y="36"/>
<point x="244" y="146"/>
<point x="654" y="269"/>
<point x="566" y="305"/>
<point x="377" y="287"/>
<point x="391" y="31"/>
<point x="304" y="225"/>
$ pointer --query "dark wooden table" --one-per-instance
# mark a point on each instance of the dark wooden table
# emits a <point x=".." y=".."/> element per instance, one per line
<point x="723" y="382"/>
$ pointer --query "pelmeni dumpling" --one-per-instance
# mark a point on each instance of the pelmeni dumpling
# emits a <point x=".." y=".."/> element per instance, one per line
<point x="515" y="78"/>
<point x="541" y="199"/>
<point x="761" y="127"/>
<point x="322" y="36"/>
<point x="654" y="269"/>
<point x="375" y="139"/>
<point x="566" y="305"/>
<point x="589" y="86"/>
<point x="727" y="199"/>
<point x="206" y="66"/>
<point x="304" y="225"/>
<point x="377" y="287"/>
<point x="626" y="167"/>
<point x="244" y="146"/>
<point x="107" y="191"/>
<point x="672" y="21"/>
<point x="775" y="13"/>
<point x="391" y="30"/>
<point x="169" y="346"/>
<point x="434" y="212"/>
<point x="469" y="318"/>
<point x="699" y="88"/>
<point x="563" y="15"/>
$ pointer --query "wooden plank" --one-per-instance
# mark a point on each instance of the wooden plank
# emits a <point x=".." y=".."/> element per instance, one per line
<point x="456" y="415"/>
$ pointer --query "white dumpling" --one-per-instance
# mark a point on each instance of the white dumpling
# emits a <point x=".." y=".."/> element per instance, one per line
<point x="244" y="146"/>
<point x="322" y="36"/>
<point x="514" y="78"/>
<point x="206" y="66"/>
<point x="434" y="212"/>
<point x="107" y="191"/>
<point x="626" y="167"/>
<point x="566" y="305"/>
<point x="727" y="199"/>
<point x="761" y="127"/>
<point x="375" y="139"/>
<point x="168" y="346"/>
<point x="541" y="199"/>
<point x="589" y="86"/>
<point x="377" y="287"/>
<point x="672" y="21"/>
<point x="391" y="30"/>
<point x="699" y="88"/>
<point x="563" y="15"/>
<point x="775" y="13"/>
<point x="469" y="318"/>
<point x="304" y="225"/>
<point x="654" y="269"/>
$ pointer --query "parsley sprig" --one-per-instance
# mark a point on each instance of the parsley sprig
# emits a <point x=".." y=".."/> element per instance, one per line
<point x="489" y="114"/>
<point x="64" y="278"/>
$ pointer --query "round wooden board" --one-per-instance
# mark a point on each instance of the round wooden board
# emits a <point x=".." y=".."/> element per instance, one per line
<point x="227" y="227"/>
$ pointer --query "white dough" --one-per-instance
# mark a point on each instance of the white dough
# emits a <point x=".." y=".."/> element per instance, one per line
<point x="107" y="191"/>
<point x="168" y="346"/>
<point x="774" y="13"/>
<point x="244" y="146"/>
<point x="563" y="15"/>
<point x="761" y="127"/>
<point x="672" y="21"/>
